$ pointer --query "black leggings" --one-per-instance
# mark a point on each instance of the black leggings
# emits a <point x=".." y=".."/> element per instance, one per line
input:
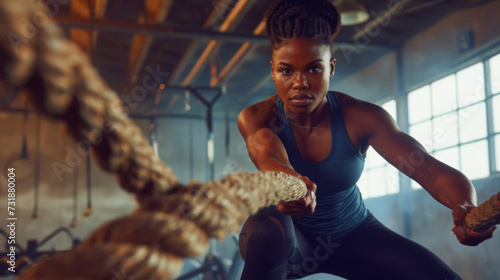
<point x="274" y="249"/>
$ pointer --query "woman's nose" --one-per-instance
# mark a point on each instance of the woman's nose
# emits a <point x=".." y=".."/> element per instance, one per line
<point x="300" y="81"/>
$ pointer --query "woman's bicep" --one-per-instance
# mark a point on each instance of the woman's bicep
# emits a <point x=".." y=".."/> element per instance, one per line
<point x="266" y="149"/>
<point x="403" y="152"/>
<point x="400" y="149"/>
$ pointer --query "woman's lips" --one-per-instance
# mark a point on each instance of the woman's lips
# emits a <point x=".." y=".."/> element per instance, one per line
<point x="300" y="100"/>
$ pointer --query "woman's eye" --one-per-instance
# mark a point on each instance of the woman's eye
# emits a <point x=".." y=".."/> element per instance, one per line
<point x="316" y="69"/>
<point x="286" y="71"/>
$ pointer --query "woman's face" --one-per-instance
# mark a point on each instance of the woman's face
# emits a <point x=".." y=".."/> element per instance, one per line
<point x="302" y="69"/>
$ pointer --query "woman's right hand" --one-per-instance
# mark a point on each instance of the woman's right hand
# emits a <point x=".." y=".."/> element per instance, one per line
<point x="301" y="207"/>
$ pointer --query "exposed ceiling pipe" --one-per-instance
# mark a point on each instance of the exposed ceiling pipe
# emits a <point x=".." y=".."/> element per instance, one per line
<point x="157" y="30"/>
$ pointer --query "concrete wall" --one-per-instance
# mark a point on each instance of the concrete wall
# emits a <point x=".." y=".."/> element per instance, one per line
<point x="435" y="51"/>
<point x="374" y="83"/>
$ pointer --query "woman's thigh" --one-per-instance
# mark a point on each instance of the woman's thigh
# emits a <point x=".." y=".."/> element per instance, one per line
<point x="373" y="251"/>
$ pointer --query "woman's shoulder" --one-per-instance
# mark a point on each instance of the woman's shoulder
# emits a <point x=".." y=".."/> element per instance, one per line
<point x="259" y="114"/>
<point x="348" y="102"/>
<point x="362" y="113"/>
<point x="265" y="106"/>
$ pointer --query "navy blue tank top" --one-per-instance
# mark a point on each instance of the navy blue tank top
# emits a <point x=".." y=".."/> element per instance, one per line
<point x="339" y="207"/>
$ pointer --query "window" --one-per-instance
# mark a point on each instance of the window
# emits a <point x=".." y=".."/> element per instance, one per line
<point x="495" y="74"/>
<point x="379" y="177"/>
<point x="449" y="118"/>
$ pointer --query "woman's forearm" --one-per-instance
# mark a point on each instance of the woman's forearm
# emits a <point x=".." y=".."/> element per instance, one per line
<point x="452" y="188"/>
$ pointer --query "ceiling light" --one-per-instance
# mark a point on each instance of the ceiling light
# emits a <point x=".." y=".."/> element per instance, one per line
<point x="352" y="12"/>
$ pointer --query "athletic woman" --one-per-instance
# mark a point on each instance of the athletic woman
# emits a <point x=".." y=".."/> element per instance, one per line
<point x="322" y="136"/>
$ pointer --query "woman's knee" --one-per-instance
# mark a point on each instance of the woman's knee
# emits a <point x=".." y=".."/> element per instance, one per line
<point x="267" y="235"/>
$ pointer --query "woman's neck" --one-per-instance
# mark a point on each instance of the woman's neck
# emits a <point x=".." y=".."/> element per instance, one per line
<point x="313" y="120"/>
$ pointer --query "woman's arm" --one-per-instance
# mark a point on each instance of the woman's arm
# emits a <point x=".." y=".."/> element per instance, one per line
<point x="258" y="126"/>
<point x="446" y="184"/>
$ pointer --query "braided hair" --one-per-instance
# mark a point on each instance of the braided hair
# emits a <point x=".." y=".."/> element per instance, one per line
<point x="287" y="19"/>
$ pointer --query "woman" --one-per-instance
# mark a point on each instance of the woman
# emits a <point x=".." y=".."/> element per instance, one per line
<point x="322" y="137"/>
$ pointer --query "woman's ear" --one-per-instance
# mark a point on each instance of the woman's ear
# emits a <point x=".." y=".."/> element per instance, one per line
<point x="332" y="67"/>
<point x="272" y="69"/>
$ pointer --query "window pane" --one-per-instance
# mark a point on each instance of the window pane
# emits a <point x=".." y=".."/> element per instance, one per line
<point x="444" y="95"/>
<point x="445" y="131"/>
<point x="497" y="151"/>
<point x="377" y="182"/>
<point x="473" y="122"/>
<point x="419" y="102"/>
<point x="495" y="73"/>
<point x="470" y="85"/>
<point x="475" y="160"/>
<point x="449" y="156"/>
<point x="363" y="184"/>
<point x="392" y="179"/>
<point x="496" y="112"/>
<point x="423" y="133"/>
<point x="390" y="107"/>
<point x="373" y="159"/>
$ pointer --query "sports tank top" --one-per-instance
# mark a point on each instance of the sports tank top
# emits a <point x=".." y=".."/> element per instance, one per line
<point x="339" y="208"/>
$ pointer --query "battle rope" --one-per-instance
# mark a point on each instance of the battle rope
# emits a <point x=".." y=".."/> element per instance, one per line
<point x="485" y="215"/>
<point x="179" y="220"/>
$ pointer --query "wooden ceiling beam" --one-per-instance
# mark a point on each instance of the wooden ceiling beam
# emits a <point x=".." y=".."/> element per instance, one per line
<point x="155" y="12"/>
<point x="238" y="58"/>
<point x="239" y="10"/>
<point x="219" y="8"/>
<point x="82" y="9"/>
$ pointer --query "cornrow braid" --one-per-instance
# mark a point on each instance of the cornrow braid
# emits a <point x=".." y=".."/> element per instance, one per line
<point x="287" y="19"/>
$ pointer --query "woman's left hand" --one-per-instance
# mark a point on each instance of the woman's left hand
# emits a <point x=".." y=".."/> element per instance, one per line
<point x="465" y="235"/>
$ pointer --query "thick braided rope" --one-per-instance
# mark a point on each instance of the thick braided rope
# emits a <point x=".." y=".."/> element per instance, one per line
<point x="177" y="225"/>
<point x="485" y="215"/>
<point x="222" y="205"/>
<point x="173" y="221"/>
<point x="63" y="84"/>
<point x="107" y="261"/>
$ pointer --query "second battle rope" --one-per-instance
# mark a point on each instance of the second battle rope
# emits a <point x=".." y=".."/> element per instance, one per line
<point x="485" y="215"/>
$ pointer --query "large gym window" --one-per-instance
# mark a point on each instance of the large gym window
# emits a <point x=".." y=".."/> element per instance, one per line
<point x="379" y="177"/>
<point x="456" y="119"/>
<point x="450" y="118"/>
